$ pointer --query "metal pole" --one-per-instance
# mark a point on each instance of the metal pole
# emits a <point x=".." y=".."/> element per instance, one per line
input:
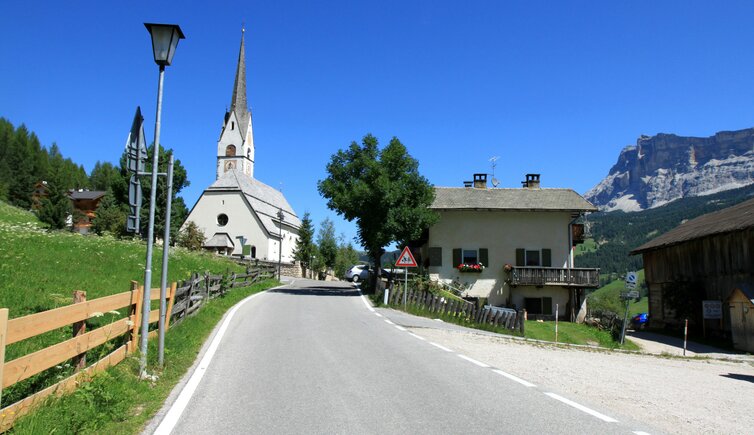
<point x="625" y="320"/>
<point x="146" y="305"/>
<point x="405" y="287"/>
<point x="280" y="247"/>
<point x="685" y="335"/>
<point x="164" y="278"/>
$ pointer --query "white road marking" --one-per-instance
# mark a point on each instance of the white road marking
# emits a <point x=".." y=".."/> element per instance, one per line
<point x="377" y="314"/>
<point x="416" y="336"/>
<point x="389" y="322"/>
<point x="473" y="361"/>
<point x="174" y="413"/>
<point x="440" y="346"/>
<point x="400" y="328"/>
<point x="583" y="408"/>
<point x="514" y="378"/>
<point x="439" y="320"/>
<point x="366" y="303"/>
<point x="638" y="432"/>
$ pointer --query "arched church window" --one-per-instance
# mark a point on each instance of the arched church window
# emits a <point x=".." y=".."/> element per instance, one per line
<point x="232" y="125"/>
<point x="230" y="150"/>
<point x="253" y="252"/>
<point x="222" y="219"/>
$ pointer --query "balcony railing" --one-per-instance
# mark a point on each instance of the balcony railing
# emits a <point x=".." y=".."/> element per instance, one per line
<point x="541" y="276"/>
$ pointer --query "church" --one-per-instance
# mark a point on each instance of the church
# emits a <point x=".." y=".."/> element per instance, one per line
<point x="239" y="214"/>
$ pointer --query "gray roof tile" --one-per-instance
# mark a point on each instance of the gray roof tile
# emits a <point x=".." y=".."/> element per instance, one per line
<point x="468" y="198"/>
<point x="265" y="200"/>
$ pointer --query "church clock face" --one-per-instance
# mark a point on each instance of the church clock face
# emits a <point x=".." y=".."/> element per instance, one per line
<point x="230" y="165"/>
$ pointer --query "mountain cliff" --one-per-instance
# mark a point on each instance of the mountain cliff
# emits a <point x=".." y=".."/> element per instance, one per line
<point x="662" y="168"/>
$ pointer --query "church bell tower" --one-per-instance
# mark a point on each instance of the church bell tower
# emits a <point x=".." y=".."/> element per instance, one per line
<point x="235" y="148"/>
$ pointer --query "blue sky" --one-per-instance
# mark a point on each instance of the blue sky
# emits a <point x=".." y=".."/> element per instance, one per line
<point x="556" y="88"/>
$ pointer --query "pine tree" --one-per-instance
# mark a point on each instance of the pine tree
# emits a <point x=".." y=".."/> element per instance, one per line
<point x="305" y="246"/>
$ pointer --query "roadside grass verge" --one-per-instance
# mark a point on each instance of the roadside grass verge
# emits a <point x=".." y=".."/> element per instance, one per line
<point x="568" y="333"/>
<point x="116" y="401"/>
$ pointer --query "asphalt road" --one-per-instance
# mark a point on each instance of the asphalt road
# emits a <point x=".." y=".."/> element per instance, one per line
<point x="314" y="358"/>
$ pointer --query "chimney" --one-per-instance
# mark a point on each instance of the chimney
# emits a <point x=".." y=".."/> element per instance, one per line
<point x="480" y="181"/>
<point x="532" y="181"/>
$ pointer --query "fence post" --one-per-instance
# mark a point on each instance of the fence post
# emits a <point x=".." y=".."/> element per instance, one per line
<point x="135" y="314"/>
<point x="522" y="321"/>
<point x="79" y="328"/>
<point x="173" y="287"/>
<point x="3" y="335"/>
<point x="206" y="283"/>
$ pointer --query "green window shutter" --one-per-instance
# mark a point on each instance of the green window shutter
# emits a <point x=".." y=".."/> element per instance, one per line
<point x="547" y="306"/>
<point x="520" y="257"/>
<point x="457" y="259"/>
<point x="435" y="256"/>
<point x="483" y="257"/>
<point x="547" y="258"/>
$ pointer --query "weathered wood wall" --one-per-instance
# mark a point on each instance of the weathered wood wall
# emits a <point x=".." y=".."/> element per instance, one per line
<point x="708" y="268"/>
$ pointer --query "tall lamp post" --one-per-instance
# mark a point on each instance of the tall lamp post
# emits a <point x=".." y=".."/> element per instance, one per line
<point x="165" y="39"/>
<point x="281" y="216"/>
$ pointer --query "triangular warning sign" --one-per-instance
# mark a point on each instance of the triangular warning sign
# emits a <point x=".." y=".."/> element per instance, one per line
<point x="406" y="259"/>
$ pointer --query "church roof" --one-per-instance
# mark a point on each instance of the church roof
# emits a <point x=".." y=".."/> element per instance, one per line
<point x="238" y="103"/>
<point x="265" y="200"/>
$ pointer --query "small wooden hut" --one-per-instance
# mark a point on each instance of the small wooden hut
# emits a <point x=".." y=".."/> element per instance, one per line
<point x="741" y="305"/>
<point x="703" y="259"/>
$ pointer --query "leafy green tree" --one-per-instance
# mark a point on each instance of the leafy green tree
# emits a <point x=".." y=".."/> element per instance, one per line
<point x="105" y="177"/>
<point x="56" y="207"/>
<point x="347" y="257"/>
<point x="382" y="191"/>
<point x="327" y="244"/>
<point x="191" y="237"/>
<point x="305" y="247"/>
<point x="110" y="217"/>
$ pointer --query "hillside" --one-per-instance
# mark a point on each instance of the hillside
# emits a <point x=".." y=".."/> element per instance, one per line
<point x="615" y="234"/>
<point x="665" y="167"/>
<point x="40" y="269"/>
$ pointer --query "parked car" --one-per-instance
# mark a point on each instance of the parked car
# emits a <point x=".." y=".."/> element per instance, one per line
<point x="358" y="272"/>
<point x="639" y="321"/>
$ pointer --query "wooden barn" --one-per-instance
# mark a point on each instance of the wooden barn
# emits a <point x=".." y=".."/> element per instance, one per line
<point x="704" y="259"/>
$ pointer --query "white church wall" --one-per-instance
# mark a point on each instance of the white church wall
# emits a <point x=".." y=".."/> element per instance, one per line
<point x="241" y="221"/>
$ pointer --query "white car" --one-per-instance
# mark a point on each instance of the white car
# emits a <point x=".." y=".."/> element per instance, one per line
<point x="358" y="272"/>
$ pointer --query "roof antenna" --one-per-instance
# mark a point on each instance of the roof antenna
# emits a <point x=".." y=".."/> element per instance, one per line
<point x="495" y="181"/>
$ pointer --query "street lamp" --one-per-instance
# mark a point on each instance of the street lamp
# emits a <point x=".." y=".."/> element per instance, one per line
<point x="165" y="39"/>
<point x="281" y="216"/>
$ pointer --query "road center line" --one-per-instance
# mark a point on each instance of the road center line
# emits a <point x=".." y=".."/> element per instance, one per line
<point x="377" y="314"/>
<point x="416" y="336"/>
<point x="638" y="432"/>
<point x="400" y="328"/>
<point x="174" y="413"/>
<point x="389" y="322"/>
<point x="440" y="346"/>
<point x="473" y="361"/>
<point x="583" y="408"/>
<point x="514" y="378"/>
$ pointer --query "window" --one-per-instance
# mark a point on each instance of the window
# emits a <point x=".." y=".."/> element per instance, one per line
<point x="222" y="219"/>
<point x="470" y="256"/>
<point x="533" y="257"/>
<point x="232" y="125"/>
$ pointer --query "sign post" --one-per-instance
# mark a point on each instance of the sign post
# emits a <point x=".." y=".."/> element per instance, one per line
<point x="631" y="280"/>
<point x="405" y="260"/>
<point x="711" y="310"/>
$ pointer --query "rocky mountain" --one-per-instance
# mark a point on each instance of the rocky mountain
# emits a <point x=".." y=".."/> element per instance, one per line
<point x="662" y="168"/>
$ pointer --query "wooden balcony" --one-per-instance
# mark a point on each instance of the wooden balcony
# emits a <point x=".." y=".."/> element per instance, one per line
<point x="542" y="276"/>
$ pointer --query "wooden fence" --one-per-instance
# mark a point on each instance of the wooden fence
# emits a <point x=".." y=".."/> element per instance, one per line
<point x="192" y="293"/>
<point x="181" y="302"/>
<point x="503" y="317"/>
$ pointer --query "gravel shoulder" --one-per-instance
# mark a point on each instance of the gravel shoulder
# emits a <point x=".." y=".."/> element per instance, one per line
<point x="674" y="395"/>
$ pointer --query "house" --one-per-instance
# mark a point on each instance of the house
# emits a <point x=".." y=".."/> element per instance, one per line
<point x="704" y="259"/>
<point x="85" y="203"/>
<point x="512" y="246"/>
<point x="239" y="214"/>
<point x="40" y="193"/>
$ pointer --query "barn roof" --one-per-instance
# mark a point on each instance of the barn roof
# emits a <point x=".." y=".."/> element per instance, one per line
<point x="265" y="200"/>
<point x="735" y="218"/>
<point x="469" y="198"/>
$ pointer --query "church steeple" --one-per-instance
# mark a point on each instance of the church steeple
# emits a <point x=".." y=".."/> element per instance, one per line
<point x="235" y="149"/>
<point x="238" y="103"/>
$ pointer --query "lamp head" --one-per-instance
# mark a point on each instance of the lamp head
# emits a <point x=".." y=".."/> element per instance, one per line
<point x="165" y="39"/>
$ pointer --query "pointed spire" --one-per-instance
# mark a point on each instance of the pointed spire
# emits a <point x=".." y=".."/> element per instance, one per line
<point x="238" y="103"/>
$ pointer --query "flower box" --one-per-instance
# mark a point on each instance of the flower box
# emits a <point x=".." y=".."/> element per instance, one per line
<point x="463" y="267"/>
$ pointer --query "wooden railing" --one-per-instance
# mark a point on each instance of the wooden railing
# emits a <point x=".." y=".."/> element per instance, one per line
<point x="541" y="276"/>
